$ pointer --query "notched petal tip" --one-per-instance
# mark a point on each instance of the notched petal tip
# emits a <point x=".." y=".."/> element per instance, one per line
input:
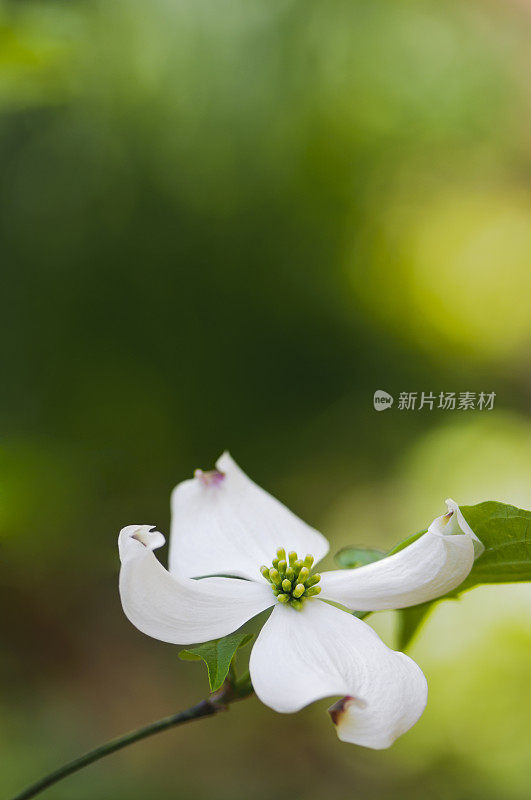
<point x="340" y="708"/>
<point x="453" y="523"/>
<point x="351" y="716"/>
<point x="135" y="539"/>
<point x="210" y="478"/>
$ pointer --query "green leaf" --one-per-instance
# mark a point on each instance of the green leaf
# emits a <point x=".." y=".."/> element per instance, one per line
<point x="410" y="621"/>
<point x="217" y="656"/>
<point x="505" y="532"/>
<point x="351" y="557"/>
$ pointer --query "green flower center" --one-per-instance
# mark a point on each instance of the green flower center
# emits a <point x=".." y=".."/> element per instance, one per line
<point x="291" y="579"/>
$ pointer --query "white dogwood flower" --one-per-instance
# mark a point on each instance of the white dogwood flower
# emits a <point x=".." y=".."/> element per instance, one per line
<point x="225" y="530"/>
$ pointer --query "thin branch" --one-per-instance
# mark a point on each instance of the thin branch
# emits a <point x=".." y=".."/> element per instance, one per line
<point x="206" y="708"/>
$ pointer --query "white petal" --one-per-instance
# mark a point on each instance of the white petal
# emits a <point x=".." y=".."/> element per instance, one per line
<point x="321" y="651"/>
<point x="181" y="610"/>
<point x="429" y="567"/>
<point x="227" y="525"/>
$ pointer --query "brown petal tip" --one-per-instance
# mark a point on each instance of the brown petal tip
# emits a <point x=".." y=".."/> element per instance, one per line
<point x="337" y="710"/>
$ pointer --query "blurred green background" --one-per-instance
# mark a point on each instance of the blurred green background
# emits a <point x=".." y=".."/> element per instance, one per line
<point x="225" y="225"/>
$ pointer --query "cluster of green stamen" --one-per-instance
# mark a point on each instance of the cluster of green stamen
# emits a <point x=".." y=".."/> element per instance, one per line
<point x="291" y="578"/>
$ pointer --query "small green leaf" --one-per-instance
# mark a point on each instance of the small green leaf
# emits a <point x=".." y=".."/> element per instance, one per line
<point x="217" y="656"/>
<point x="188" y="655"/>
<point x="410" y="539"/>
<point x="351" y="557"/>
<point x="505" y="532"/>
